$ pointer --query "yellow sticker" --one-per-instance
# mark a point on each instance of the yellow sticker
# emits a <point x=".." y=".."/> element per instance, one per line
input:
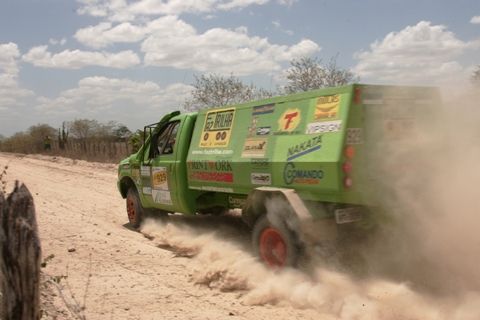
<point x="289" y="120"/>
<point x="159" y="178"/>
<point x="217" y="128"/>
<point x="327" y="107"/>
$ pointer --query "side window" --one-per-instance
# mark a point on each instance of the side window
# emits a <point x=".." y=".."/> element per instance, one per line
<point x="166" y="139"/>
<point x="168" y="149"/>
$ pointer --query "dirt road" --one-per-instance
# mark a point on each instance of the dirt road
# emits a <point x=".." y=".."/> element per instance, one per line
<point x="79" y="209"/>
<point x="183" y="268"/>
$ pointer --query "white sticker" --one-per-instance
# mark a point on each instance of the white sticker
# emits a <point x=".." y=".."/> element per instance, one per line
<point x="145" y="171"/>
<point x="161" y="196"/>
<point x="147" y="190"/>
<point x="264" y="179"/>
<point x="354" y="135"/>
<point x="159" y="178"/>
<point x="324" y="126"/>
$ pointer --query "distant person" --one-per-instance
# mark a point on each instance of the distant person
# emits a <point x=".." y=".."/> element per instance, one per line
<point x="47" y="143"/>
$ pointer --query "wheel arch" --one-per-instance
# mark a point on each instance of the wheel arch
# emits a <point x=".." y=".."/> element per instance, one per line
<point x="256" y="203"/>
<point x="125" y="184"/>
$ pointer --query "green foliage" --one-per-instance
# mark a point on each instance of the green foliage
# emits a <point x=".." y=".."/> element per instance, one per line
<point x="213" y="90"/>
<point x="92" y="129"/>
<point x="308" y="73"/>
<point x="62" y="137"/>
<point x="30" y="141"/>
<point x="136" y="140"/>
<point x="37" y="137"/>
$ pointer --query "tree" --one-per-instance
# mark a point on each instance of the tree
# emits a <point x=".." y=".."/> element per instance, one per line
<point x="121" y="131"/>
<point x="86" y="129"/>
<point x="62" y="137"/>
<point x="214" y="90"/>
<point x="308" y="73"/>
<point x="83" y="128"/>
<point x="38" y="134"/>
<point x="476" y="76"/>
<point x="136" y="140"/>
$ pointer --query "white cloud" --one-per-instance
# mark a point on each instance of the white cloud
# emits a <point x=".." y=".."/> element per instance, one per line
<point x="278" y="26"/>
<point x="171" y="42"/>
<point x="76" y="59"/>
<point x="133" y="103"/>
<point x="222" y="51"/>
<point x="121" y="10"/>
<point x="55" y="42"/>
<point x="104" y="34"/>
<point x="8" y="58"/>
<point x="239" y="4"/>
<point x="11" y="94"/>
<point x="423" y="53"/>
<point x="286" y="2"/>
<point x="475" y="20"/>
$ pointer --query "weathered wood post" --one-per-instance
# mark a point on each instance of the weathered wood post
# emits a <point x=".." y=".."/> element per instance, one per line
<point x="20" y="255"/>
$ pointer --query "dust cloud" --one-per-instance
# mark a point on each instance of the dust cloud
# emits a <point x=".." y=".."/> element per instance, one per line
<point x="422" y="264"/>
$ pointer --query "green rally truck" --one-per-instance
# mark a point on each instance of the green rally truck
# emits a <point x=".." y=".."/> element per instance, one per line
<point x="295" y="165"/>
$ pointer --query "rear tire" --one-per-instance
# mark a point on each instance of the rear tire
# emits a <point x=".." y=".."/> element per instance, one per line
<point x="275" y="244"/>
<point x="135" y="211"/>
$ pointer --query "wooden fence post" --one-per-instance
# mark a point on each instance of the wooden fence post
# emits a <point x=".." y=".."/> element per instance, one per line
<point x="20" y="255"/>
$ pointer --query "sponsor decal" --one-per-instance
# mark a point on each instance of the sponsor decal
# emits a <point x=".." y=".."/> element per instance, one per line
<point x="261" y="178"/>
<point x="324" y="126"/>
<point x="216" y="171"/>
<point x="159" y="178"/>
<point x="304" y="148"/>
<point x="161" y="196"/>
<point x="145" y="171"/>
<point x="354" y="135"/>
<point x="236" y="202"/>
<point x="219" y="152"/>
<point x="212" y="176"/>
<point x="289" y="120"/>
<point x="253" y="127"/>
<point x="147" y="190"/>
<point x="221" y="165"/>
<point x="211" y="188"/>
<point x="263" y="131"/>
<point x="217" y="128"/>
<point x="260" y="163"/>
<point x="291" y="174"/>
<point x="327" y="107"/>
<point x="264" y="109"/>
<point x="254" y="148"/>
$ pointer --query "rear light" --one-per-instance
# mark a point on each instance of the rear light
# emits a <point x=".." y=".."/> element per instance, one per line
<point x="349" y="152"/>
<point x="347" y="167"/>
<point x="347" y="182"/>
<point x="357" y="96"/>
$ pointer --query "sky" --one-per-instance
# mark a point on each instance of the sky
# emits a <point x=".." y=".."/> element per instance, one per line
<point x="133" y="61"/>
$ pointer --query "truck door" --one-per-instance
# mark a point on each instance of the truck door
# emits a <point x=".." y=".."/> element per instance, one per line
<point x="162" y="160"/>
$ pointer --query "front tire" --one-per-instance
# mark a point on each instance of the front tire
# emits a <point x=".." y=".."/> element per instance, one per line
<point x="276" y="245"/>
<point x="135" y="211"/>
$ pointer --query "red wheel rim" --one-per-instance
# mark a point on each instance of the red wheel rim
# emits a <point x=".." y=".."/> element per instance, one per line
<point x="273" y="248"/>
<point x="131" y="209"/>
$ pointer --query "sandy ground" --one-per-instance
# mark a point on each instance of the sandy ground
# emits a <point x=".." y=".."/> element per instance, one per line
<point x="186" y="268"/>
<point x="79" y="209"/>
